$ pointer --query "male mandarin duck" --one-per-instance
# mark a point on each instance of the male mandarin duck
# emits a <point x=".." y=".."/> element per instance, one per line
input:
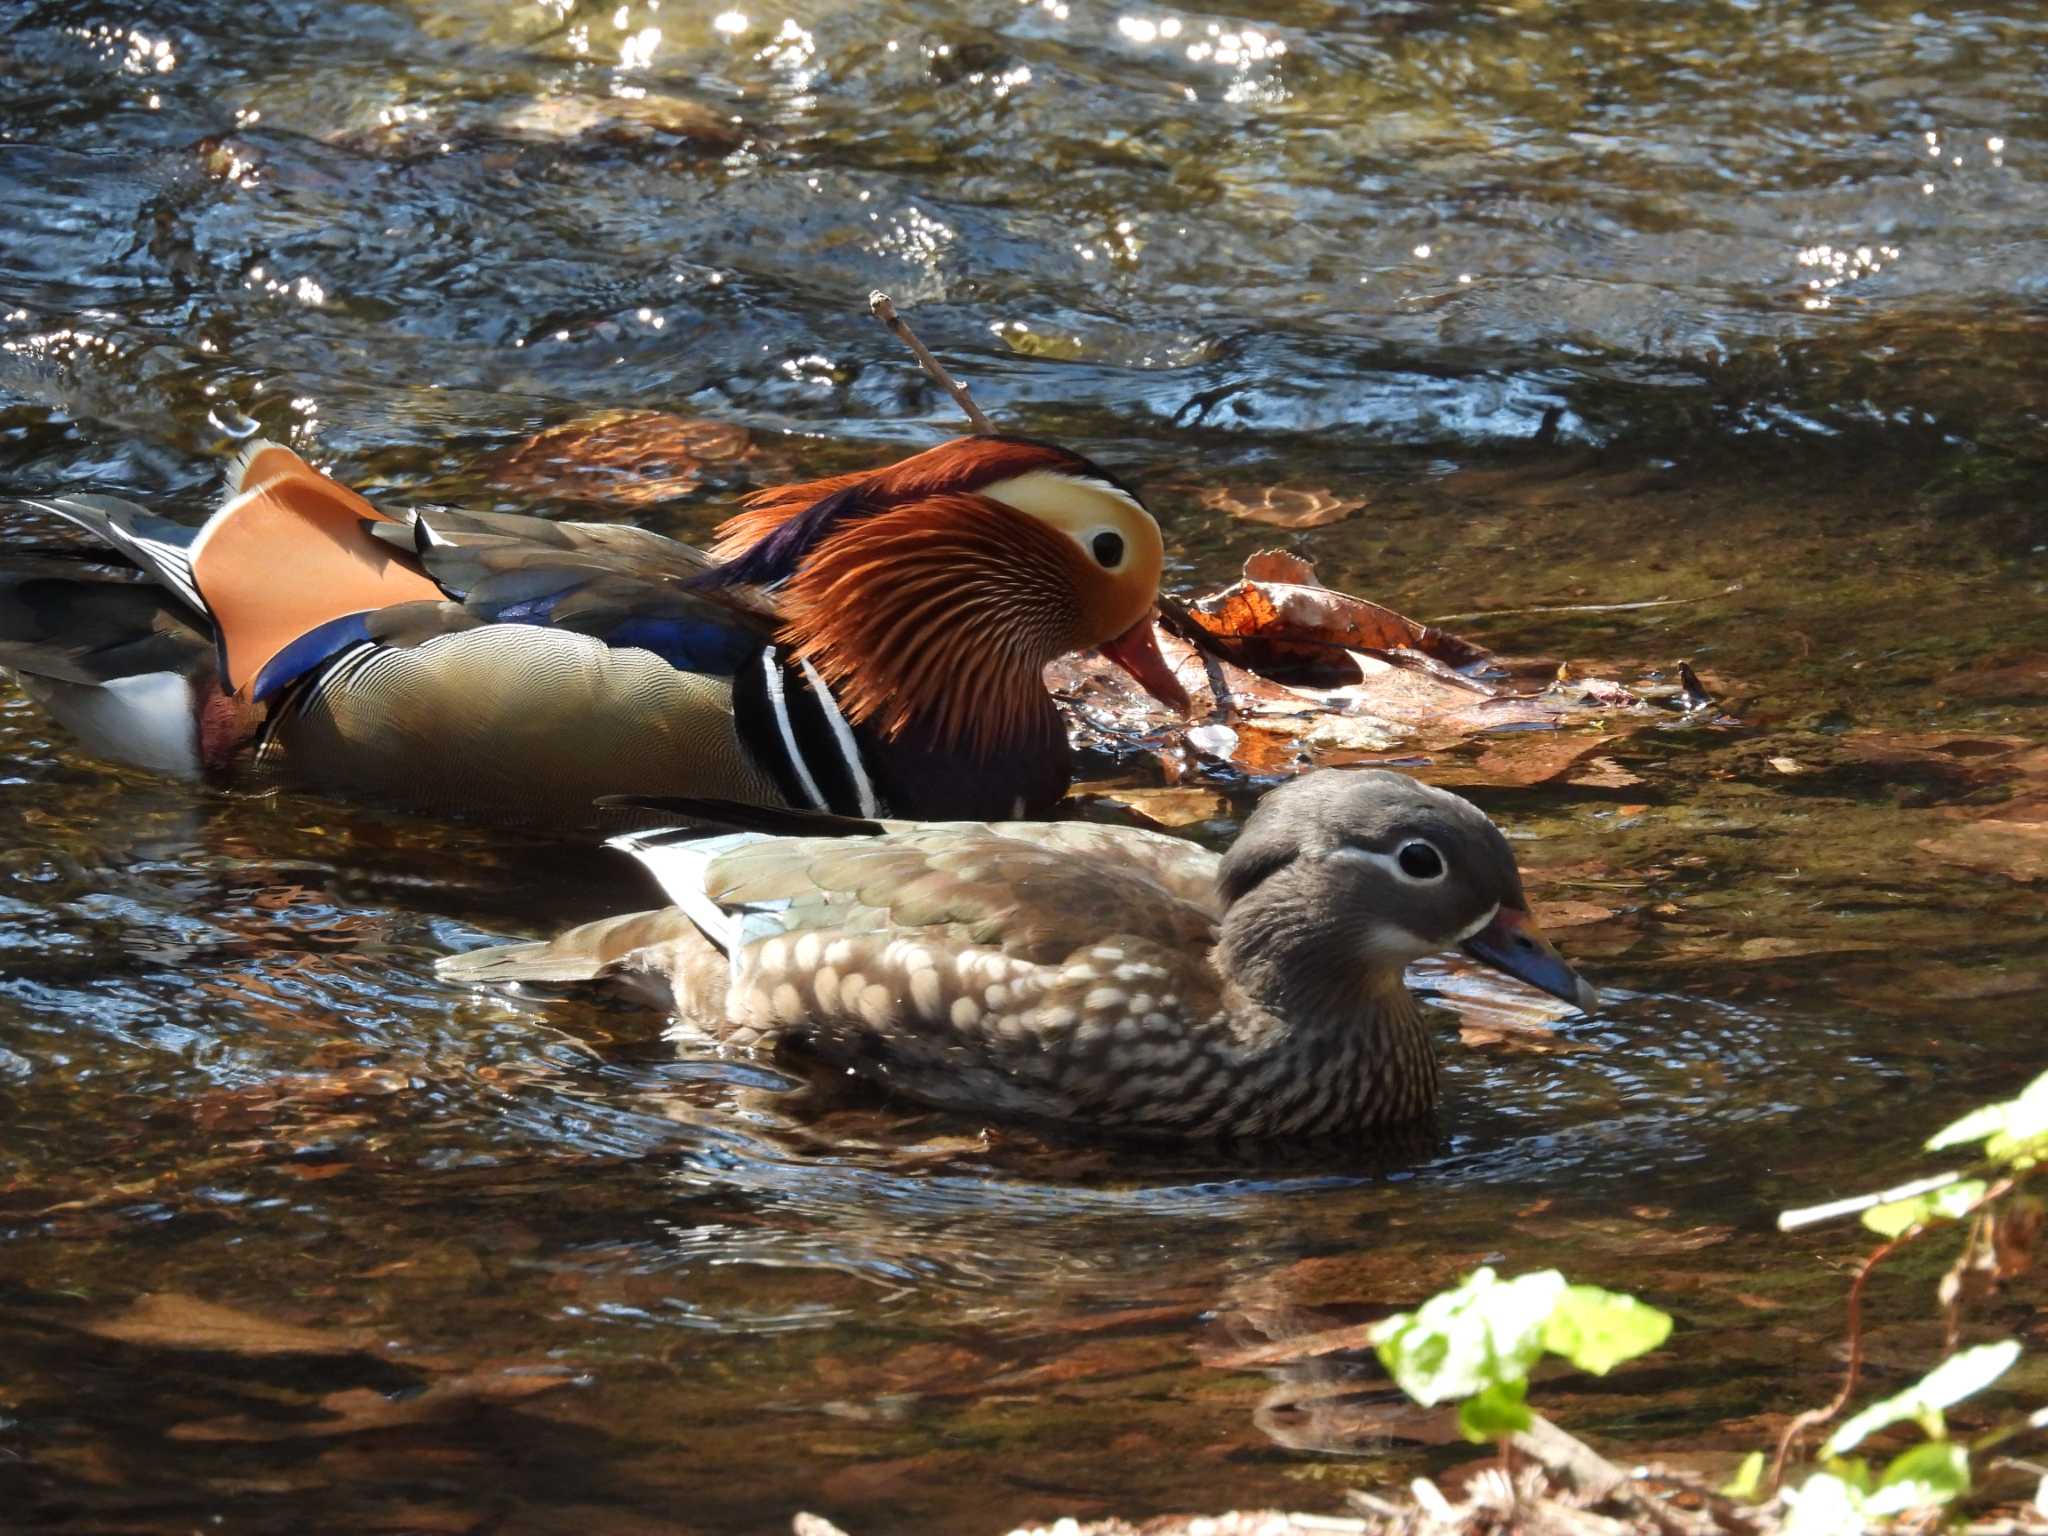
<point x="866" y="644"/>
<point x="1100" y="976"/>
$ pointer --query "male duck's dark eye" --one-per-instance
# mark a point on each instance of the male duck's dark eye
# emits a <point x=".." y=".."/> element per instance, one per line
<point x="1419" y="861"/>
<point x="1109" y="549"/>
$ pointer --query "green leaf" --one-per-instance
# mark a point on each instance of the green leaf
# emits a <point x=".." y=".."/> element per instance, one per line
<point x="1482" y="1333"/>
<point x="1928" y="1474"/>
<point x="1853" y="1470"/>
<point x="2015" y="1131"/>
<point x="1962" y="1374"/>
<point x="1596" y="1330"/>
<point x="1824" y="1505"/>
<point x="1948" y="1203"/>
<point x="1495" y="1413"/>
<point x="1748" y="1480"/>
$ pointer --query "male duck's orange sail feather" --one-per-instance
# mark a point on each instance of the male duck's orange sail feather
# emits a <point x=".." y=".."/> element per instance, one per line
<point x="288" y="552"/>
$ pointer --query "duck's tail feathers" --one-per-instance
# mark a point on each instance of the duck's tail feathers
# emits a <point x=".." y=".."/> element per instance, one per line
<point x="120" y="663"/>
<point x="639" y="942"/>
<point x="161" y="547"/>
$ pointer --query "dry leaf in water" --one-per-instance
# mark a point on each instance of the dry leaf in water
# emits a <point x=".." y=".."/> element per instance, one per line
<point x="1287" y="674"/>
<point x="2017" y="850"/>
<point x="626" y="458"/>
<point x="358" y="1410"/>
<point x="1169" y="807"/>
<point x="167" y="1320"/>
<point x="1312" y="617"/>
<point x="621" y="120"/>
<point x="1280" y="505"/>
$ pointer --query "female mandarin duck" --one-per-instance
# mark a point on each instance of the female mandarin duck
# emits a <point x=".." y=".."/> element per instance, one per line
<point x="868" y="644"/>
<point x="1106" y="977"/>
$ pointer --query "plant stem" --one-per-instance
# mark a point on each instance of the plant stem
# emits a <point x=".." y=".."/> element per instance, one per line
<point x="1856" y="1205"/>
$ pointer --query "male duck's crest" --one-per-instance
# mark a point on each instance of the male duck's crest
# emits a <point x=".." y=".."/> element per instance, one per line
<point x="869" y="643"/>
<point x="938" y="588"/>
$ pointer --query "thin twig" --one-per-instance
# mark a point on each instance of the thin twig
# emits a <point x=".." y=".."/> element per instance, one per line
<point x="1813" y="1417"/>
<point x="883" y="308"/>
<point x="1854" y="1323"/>
<point x="2038" y="1419"/>
<point x="1503" y="613"/>
<point x="1599" y="1479"/>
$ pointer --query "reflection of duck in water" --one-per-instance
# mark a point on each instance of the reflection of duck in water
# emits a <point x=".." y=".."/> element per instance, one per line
<point x="870" y="644"/>
<point x="1095" y="975"/>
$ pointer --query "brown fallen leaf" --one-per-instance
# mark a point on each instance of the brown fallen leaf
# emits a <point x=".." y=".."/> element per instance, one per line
<point x="1281" y="565"/>
<point x="362" y="1409"/>
<point x="1603" y="773"/>
<point x="1792" y="949"/>
<point x="1280" y="505"/>
<point x="1314" y="617"/>
<point x="1553" y="913"/>
<point x="1354" y="1339"/>
<point x="624" y="458"/>
<point x="2017" y="850"/>
<point x="1333" y="1417"/>
<point x="621" y="119"/>
<point x="1170" y="807"/>
<point x="1285" y="674"/>
<point x="167" y="1320"/>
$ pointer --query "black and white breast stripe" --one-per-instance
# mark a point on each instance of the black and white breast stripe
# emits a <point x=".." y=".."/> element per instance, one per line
<point x="790" y="724"/>
<point x="357" y="664"/>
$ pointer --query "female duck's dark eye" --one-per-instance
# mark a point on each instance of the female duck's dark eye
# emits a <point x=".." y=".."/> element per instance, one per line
<point x="1109" y="549"/>
<point x="1419" y="861"/>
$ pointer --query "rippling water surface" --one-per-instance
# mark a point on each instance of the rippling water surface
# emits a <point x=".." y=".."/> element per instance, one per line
<point x="1641" y="332"/>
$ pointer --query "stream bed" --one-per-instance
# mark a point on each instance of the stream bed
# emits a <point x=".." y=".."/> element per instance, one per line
<point x="1617" y="333"/>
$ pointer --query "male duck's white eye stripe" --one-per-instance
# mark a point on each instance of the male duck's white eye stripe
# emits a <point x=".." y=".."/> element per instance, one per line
<point x="1115" y="493"/>
<point x="1062" y="500"/>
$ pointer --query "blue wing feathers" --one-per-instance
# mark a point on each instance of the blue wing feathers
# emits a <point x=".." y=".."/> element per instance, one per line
<point x="314" y="649"/>
<point x="689" y="645"/>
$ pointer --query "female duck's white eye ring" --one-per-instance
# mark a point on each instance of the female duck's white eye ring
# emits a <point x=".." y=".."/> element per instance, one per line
<point x="1420" y="861"/>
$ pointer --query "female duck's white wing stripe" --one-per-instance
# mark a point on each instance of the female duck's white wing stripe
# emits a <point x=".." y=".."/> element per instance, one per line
<point x="681" y="863"/>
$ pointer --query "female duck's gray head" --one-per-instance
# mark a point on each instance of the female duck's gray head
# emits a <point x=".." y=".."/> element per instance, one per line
<point x="1395" y="870"/>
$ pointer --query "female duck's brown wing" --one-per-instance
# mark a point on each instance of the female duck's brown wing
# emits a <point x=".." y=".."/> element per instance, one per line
<point x="1024" y="968"/>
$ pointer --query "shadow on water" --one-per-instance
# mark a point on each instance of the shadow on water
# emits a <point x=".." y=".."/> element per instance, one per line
<point x="1628" y="333"/>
